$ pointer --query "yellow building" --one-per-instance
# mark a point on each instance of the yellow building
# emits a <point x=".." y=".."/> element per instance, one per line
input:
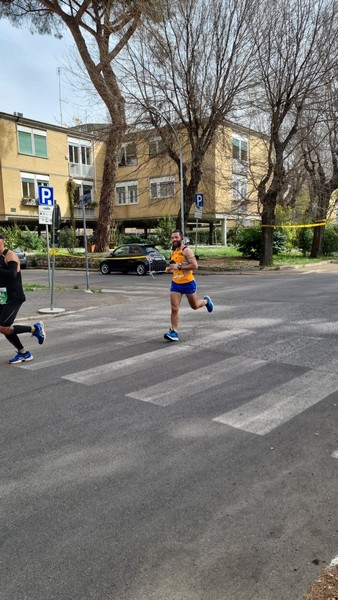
<point x="34" y="154"/>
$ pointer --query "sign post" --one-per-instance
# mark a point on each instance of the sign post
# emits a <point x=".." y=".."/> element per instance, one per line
<point x="199" y="202"/>
<point x="46" y="205"/>
<point x="85" y="199"/>
<point x="49" y="213"/>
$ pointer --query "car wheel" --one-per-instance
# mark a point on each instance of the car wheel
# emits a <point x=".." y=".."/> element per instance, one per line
<point x="141" y="269"/>
<point x="105" y="269"/>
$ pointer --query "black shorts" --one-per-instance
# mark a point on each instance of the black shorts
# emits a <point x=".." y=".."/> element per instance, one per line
<point x="8" y="313"/>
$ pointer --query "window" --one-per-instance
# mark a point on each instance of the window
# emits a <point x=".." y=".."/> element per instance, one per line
<point x="240" y="148"/>
<point x="239" y="194"/>
<point x="128" y="155"/>
<point x="80" y="152"/>
<point x="162" y="187"/>
<point x="84" y="191"/>
<point x="122" y="251"/>
<point x="29" y="186"/>
<point x="32" y="141"/>
<point x="126" y="193"/>
<point x="156" y="147"/>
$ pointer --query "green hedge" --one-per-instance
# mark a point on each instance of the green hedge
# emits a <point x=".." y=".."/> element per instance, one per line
<point x="249" y="241"/>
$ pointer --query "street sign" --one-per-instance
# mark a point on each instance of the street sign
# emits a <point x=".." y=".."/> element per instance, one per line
<point x="46" y="195"/>
<point x="199" y="200"/>
<point x="45" y="215"/>
<point x="198" y="213"/>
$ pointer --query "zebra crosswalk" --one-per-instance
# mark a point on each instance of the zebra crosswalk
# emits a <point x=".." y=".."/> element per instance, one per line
<point x="198" y="381"/>
<point x="213" y="371"/>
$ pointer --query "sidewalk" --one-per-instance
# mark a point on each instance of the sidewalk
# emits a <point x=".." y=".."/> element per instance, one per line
<point x="70" y="300"/>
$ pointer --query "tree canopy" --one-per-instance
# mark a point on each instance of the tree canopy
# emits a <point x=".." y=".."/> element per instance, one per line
<point x="100" y="29"/>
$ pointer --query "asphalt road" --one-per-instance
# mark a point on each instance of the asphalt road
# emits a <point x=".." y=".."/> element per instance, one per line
<point x="138" y="469"/>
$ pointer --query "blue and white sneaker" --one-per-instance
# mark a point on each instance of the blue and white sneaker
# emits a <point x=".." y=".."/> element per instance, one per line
<point x="172" y="336"/>
<point x="209" y="305"/>
<point x="39" y="332"/>
<point x="19" y="358"/>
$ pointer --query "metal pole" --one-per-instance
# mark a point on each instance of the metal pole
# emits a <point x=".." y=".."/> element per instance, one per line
<point x="196" y="236"/>
<point x="53" y="268"/>
<point x="48" y="256"/>
<point x="85" y="240"/>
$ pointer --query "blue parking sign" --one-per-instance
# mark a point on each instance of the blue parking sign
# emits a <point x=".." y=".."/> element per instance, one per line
<point x="46" y="195"/>
<point x="199" y="200"/>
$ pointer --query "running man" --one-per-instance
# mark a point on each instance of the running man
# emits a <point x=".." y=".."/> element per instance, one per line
<point x="11" y="298"/>
<point x="182" y="264"/>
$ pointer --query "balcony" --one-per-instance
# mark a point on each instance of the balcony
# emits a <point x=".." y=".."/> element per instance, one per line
<point x="80" y="170"/>
<point x="29" y="202"/>
<point x="239" y="166"/>
<point x="90" y="212"/>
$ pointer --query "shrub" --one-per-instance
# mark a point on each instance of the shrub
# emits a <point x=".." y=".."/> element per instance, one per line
<point x="304" y="240"/>
<point x="115" y="234"/>
<point x="330" y="242"/>
<point x="68" y="238"/>
<point x="131" y="238"/>
<point x="163" y="231"/>
<point x="12" y="236"/>
<point x="249" y="241"/>
<point x="232" y="235"/>
<point x="26" y="239"/>
<point x="31" y="240"/>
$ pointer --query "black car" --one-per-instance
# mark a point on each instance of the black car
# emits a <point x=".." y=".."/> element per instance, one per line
<point x="22" y="257"/>
<point x="136" y="258"/>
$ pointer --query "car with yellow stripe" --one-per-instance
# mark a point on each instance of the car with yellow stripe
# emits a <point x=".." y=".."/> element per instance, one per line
<point x="134" y="258"/>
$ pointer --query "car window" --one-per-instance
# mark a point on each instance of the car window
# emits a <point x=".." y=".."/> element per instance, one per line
<point x="151" y="250"/>
<point x="135" y="250"/>
<point x="122" y="251"/>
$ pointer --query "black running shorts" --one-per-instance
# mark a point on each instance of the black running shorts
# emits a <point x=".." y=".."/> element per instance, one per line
<point x="8" y="313"/>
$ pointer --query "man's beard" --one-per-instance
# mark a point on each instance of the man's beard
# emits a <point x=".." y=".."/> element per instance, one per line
<point x="176" y="244"/>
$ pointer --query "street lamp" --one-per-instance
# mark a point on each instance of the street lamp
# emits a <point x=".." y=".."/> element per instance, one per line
<point x="155" y="110"/>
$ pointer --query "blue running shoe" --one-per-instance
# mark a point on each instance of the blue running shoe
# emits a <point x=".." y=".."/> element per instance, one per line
<point x="39" y="332"/>
<point x="209" y="305"/>
<point x="19" y="358"/>
<point x="172" y="336"/>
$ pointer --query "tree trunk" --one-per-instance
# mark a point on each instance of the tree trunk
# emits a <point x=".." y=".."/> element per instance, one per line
<point x="324" y="191"/>
<point x="268" y="219"/>
<point x="107" y="191"/>
<point x="317" y="242"/>
<point x="114" y="140"/>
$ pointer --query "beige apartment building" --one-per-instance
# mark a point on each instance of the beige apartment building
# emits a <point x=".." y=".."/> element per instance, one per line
<point x="34" y="154"/>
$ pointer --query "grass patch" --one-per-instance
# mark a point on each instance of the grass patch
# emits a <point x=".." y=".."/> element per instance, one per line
<point x="294" y="259"/>
<point x="33" y="287"/>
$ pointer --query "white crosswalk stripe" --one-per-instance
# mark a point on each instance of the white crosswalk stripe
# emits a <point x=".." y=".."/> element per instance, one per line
<point x="164" y="394"/>
<point x="118" y="368"/>
<point x="270" y="410"/>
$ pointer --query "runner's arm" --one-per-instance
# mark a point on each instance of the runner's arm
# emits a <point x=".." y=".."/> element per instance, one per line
<point x="10" y="273"/>
<point x="12" y="270"/>
<point x="191" y="258"/>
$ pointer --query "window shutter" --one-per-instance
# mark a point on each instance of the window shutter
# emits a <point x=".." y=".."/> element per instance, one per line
<point x="40" y="143"/>
<point x="25" y="142"/>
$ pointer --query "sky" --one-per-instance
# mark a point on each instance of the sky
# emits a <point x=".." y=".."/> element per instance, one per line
<point x="29" y="79"/>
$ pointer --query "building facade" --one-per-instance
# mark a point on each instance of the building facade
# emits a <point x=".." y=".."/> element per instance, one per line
<point x="34" y="154"/>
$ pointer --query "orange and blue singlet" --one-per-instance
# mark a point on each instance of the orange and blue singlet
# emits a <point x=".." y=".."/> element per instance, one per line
<point x="182" y="281"/>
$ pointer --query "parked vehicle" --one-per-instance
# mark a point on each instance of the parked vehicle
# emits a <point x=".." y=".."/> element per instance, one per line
<point x="22" y="257"/>
<point x="135" y="258"/>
